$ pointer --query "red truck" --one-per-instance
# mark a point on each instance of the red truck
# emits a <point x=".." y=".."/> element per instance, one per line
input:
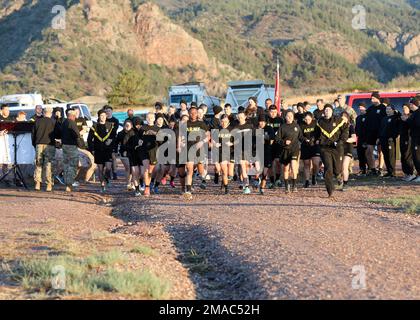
<point x="397" y="99"/>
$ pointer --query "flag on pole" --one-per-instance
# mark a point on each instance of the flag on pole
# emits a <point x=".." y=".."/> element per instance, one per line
<point x="277" y="100"/>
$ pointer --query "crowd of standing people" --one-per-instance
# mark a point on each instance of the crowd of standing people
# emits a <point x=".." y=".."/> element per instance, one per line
<point x="323" y="141"/>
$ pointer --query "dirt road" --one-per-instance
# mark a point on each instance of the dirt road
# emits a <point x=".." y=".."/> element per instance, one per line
<point x="302" y="246"/>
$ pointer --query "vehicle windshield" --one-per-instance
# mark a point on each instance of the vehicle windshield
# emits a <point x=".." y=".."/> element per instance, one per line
<point x="29" y="113"/>
<point x="179" y="97"/>
<point x="12" y="104"/>
<point x="396" y="102"/>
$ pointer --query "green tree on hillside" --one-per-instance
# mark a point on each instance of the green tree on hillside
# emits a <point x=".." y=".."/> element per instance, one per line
<point x="130" y="88"/>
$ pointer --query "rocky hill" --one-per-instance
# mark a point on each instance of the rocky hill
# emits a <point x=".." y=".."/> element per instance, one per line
<point x="214" y="41"/>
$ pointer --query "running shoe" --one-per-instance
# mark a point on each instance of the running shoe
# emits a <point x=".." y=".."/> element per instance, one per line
<point x="156" y="190"/>
<point x="261" y="191"/>
<point x="409" y="178"/>
<point x="247" y="190"/>
<point x="278" y="184"/>
<point x="142" y="188"/>
<point x="362" y="173"/>
<point x="226" y="190"/>
<point x="76" y="184"/>
<point x="59" y="179"/>
<point x="163" y="181"/>
<point x="389" y="175"/>
<point x="203" y="185"/>
<point x="187" y="195"/>
<point x="216" y="179"/>
<point x="256" y="184"/>
<point x="417" y="180"/>
<point x="172" y="184"/>
<point x="137" y="194"/>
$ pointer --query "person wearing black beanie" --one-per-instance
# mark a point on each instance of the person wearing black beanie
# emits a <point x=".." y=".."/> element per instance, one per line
<point x="331" y="134"/>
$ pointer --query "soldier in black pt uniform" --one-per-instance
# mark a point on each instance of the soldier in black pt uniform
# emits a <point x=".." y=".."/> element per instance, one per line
<point x="268" y="152"/>
<point x="147" y="151"/>
<point x="289" y="137"/>
<point x="100" y="144"/>
<point x="405" y="146"/>
<point x="275" y="121"/>
<point x="310" y="153"/>
<point x="360" y="129"/>
<point x="331" y="134"/>
<point x="388" y="134"/>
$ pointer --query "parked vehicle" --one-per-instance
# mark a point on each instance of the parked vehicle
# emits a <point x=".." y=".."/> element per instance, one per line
<point x="397" y="99"/>
<point x="28" y="102"/>
<point x="191" y="92"/>
<point x="239" y="92"/>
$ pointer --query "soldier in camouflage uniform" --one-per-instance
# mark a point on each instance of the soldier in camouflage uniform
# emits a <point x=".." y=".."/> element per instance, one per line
<point x="69" y="137"/>
<point x="43" y="139"/>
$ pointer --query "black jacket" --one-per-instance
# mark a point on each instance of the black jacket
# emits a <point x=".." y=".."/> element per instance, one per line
<point x="318" y="114"/>
<point x="43" y="132"/>
<point x="414" y="123"/>
<point x="332" y="132"/>
<point x="361" y="131"/>
<point x="404" y="131"/>
<point x="290" y="132"/>
<point x="122" y="144"/>
<point x="390" y="128"/>
<point x="69" y="133"/>
<point x="374" y="116"/>
<point x="101" y="137"/>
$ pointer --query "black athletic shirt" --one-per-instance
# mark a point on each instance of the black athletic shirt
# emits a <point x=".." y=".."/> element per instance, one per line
<point x="308" y="132"/>
<point x="275" y="123"/>
<point x="148" y="134"/>
<point x="195" y="126"/>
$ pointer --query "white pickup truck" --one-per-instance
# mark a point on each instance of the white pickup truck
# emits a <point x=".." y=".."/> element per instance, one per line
<point x="28" y="102"/>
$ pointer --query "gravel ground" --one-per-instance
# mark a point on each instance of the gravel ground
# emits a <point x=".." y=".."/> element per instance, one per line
<point x="300" y="246"/>
<point x="276" y="246"/>
<point x="35" y="225"/>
